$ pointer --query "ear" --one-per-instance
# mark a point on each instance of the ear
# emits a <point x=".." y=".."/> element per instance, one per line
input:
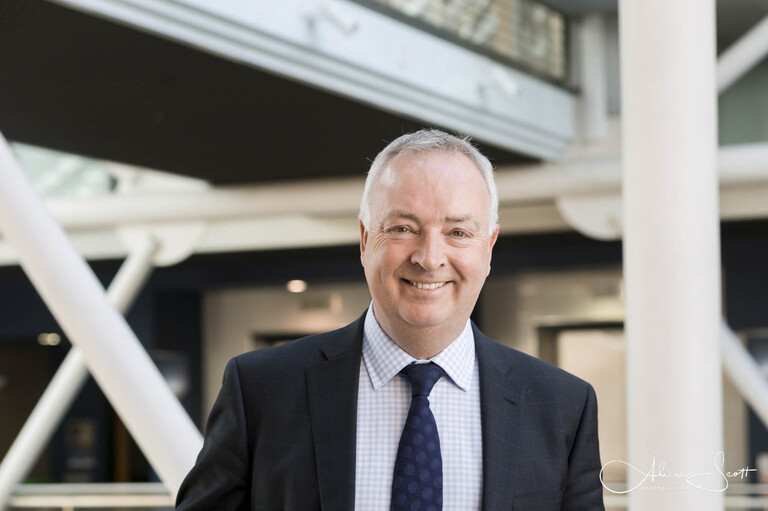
<point x="363" y="242"/>
<point x="491" y="243"/>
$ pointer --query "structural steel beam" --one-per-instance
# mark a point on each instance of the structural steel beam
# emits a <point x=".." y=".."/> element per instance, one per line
<point x="69" y="379"/>
<point x="111" y="351"/>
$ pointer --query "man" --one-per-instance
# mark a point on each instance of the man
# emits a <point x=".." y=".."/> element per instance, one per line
<point x="409" y="407"/>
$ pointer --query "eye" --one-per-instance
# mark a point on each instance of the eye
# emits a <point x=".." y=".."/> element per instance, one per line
<point x="399" y="229"/>
<point x="459" y="234"/>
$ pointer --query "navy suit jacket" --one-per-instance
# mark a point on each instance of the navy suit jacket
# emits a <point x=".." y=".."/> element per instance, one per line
<point x="281" y="435"/>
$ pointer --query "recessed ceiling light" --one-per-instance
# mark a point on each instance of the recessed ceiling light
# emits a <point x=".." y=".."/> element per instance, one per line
<point x="49" y="339"/>
<point x="296" y="286"/>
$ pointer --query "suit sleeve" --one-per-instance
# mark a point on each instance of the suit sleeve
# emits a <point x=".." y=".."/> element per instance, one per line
<point x="584" y="491"/>
<point x="220" y="478"/>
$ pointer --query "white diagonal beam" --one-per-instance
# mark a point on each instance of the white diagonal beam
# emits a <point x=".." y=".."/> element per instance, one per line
<point x="745" y="373"/>
<point x="69" y="379"/>
<point x="113" y="354"/>
<point x="742" y="55"/>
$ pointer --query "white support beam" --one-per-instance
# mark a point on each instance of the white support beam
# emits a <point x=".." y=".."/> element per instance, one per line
<point x="737" y="165"/>
<point x="323" y="213"/>
<point x="39" y="427"/>
<point x="325" y="198"/>
<point x="68" y="380"/>
<point x="671" y="250"/>
<point x="745" y="373"/>
<point x="743" y="55"/>
<point x="111" y="351"/>
<point x="745" y="164"/>
<point x="594" y="80"/>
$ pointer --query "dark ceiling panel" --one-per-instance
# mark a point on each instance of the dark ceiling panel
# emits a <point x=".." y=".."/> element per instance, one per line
<point x="580" y="7"/>
<point x="81" y="84"/>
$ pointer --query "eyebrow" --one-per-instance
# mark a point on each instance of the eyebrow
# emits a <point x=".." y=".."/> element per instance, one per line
<point x="461" y="219"/>
<point x="399" y="213"/>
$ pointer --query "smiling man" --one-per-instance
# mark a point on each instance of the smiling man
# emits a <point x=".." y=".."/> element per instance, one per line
<point x="411" y="407"/>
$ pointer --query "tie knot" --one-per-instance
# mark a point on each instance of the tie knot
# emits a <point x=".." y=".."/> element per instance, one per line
<point x="423" y="377"/>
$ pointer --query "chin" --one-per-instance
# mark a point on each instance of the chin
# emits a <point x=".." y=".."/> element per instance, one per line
<point x="426" y="320"/>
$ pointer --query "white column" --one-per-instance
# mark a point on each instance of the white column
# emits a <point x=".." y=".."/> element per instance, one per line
<point x="113" y="354"/>
<point x="671" y="249"/>
<point x="69" y="379"/>
<point x="594" y="84"/>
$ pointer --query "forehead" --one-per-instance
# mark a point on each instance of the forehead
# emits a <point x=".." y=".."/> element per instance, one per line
<point x="431" y="180"/>
<point x="435" y="166"/>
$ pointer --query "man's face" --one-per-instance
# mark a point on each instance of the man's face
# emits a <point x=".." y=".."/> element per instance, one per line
<point x="427" y="251"/>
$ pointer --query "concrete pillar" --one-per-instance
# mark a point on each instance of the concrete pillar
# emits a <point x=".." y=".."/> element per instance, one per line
<point x="671" y="252"/>
<point x="594" y="81"/>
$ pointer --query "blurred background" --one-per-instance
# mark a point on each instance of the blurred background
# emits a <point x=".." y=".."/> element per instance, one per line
<point x="238" y="135"/>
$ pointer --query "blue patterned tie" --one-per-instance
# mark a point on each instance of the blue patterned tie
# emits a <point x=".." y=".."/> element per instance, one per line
<point x="417" y="482"/>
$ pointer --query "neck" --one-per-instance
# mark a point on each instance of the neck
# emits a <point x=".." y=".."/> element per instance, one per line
<point x="421" y="342"/>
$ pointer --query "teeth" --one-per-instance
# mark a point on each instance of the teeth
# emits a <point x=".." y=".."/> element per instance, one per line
<point x="427" y="286"/>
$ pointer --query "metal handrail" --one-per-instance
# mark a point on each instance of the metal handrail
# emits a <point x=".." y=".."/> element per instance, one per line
<point x="69" y="497"/>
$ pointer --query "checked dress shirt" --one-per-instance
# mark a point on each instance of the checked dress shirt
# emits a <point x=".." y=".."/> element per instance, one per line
<point x="384" y="398"/>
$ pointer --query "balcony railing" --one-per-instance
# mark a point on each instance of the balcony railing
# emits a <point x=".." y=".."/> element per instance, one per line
<point x="523" y="33"/>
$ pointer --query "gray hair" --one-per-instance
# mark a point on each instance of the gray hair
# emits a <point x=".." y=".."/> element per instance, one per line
<point x="428" y="141"/>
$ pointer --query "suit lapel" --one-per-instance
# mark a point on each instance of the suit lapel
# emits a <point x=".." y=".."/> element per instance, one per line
<point x="501" y="408"/>
<point x="332" y="390"/>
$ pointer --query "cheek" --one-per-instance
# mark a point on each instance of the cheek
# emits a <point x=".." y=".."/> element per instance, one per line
<point x="373" y="252"/>
<point x="389" y="255"/>
<point x="474" y="265"/>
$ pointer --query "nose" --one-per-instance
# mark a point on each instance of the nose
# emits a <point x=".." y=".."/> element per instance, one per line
<point x="430" y="251"/>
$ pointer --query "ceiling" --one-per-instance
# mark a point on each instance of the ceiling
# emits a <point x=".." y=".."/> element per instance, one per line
<point x="578" y="7"/>
<point x="734" y="17"/>
<point x="84" y="85"/>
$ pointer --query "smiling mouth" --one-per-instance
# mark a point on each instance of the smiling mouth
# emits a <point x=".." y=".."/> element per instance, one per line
<point x="423" y="285"/>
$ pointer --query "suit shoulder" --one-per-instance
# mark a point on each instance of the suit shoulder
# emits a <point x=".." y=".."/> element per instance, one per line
<point x="297" y="352"/>
<point x="290" y="349"/>
<point x="527" y="366"/>
<point x="300" y="352"/>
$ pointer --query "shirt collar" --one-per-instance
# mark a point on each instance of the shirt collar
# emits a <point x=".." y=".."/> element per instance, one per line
<point x="384" y="359"/>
